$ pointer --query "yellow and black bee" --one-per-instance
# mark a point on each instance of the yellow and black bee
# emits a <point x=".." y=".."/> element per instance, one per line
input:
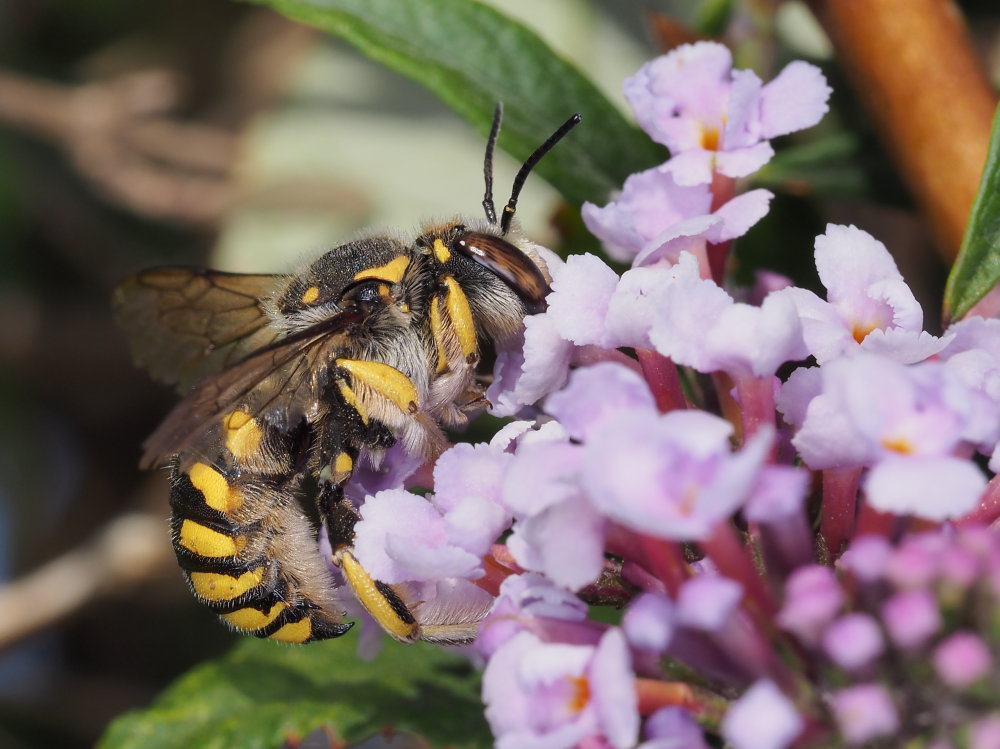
<point x="290" y="380"/>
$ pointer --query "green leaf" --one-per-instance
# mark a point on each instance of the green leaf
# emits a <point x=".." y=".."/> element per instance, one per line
<point x="262" y="693"/>
<point x="471" y="56"/>
<point x="977" y="268"/>
<point x="825" y="166"/>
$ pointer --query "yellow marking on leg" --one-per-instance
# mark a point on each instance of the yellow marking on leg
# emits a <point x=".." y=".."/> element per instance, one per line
<point x="392" y="271"/>
<point x="243" y="434"/>
<point x="461" y="317"/>
<point x="310" y="295"/>
<point x="343" y="464"/>
<point x="299" y="631"/>
<point x="352" y="400"/>
<point x="437" y="328"/>
<point x="374" y="602"/>
<point x="385" y="380"/>
<point x="214" y="586"/>
<point x="441" y="252"/>
<point x="213" y="486"/>
<point x="206" y="542"/>
<point x="250" y="620"/>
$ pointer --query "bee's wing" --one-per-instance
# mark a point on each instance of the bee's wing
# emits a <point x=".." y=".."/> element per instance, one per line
<point x="281" y="382"/>
<point x="184" y="324"/>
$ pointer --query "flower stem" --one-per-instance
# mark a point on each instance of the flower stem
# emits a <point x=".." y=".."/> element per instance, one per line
<point x="654" y="694"/>
<point x="666" y="561"/>
<point x="840" y="499"/>
<point x="663" y="380"/>
<point x="756" y="401"/>
<point x="988" y="511"/>
<point x="732" y="559"/>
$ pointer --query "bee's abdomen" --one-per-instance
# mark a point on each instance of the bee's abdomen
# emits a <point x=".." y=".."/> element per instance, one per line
<point x="231" y="535"/>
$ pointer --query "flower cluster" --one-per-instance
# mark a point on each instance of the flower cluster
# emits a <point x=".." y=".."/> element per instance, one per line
<point x="674" y="450"/>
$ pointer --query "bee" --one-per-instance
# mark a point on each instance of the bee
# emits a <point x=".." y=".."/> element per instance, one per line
<point x="290" y="380"/>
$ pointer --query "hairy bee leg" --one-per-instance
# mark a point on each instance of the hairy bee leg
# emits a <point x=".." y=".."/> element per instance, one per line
<point x="339" y="516"/>
<point x="378" y="598"/>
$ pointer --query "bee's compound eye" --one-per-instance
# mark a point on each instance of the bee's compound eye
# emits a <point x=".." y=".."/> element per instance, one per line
<point x="366" y="292"/>
<point x="509" y="263"/>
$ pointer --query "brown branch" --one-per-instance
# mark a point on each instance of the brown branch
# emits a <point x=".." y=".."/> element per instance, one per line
<point x="130" y="549"/>
<point x="118" y="136"/>
<point x="913" y="66"/>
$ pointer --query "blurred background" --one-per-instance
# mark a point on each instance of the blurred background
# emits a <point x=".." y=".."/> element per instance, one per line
<point x="218" y="133"/>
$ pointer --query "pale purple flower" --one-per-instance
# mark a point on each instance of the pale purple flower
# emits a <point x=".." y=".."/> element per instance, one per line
<point x="962" y="659"/>
<point x="864" y="712"/>
<point x="531" y="602"/>
<point x="596" y="395"/>
<point x="911" y="618"/>
<point x="579" y="300"/>
<point x="763" y="718"/>
<point x="638" y="299"/>
<point x="906" y="422"/>
<point x="869" y="307"/>
<point x="672" y="476"/>
<point x="853" y="641"/>
<point x="708" y="602"/>
<point x="650" y="621"/>
<point x="655" y="219"/>
<point x="524" y="377"/>
<point x="714" y="118"/>
<point x="778" y="494"/>
<point x="672" y="728"/>
<point x="402" y="536"/>
<point x="394" y="471"/>
<point x="867" y="558"/>
<point x="916" y="562"/>
<point x="466" y="470"/>
<point x="700" y="326"/>
<point x="556" y="530"/>
<point x="985" y="733"/>
<point x="813" y="598"/>
<point x="553" y="696"/>
<point x="973" y="356"/>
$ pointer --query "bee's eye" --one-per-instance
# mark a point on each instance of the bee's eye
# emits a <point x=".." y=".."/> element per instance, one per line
<point x="510" y="264"/>
<point x="365" y="292"/>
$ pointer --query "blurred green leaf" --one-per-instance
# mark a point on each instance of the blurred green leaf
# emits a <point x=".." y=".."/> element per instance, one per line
<point x="825" y="166"/>
<point x="712" y="16"/>
<point x="471" y="56"/>
<point x="261" y="694"/>
<point x="977" y="268"/>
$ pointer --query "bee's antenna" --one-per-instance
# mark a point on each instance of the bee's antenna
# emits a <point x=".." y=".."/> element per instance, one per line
<point x="522" y="175"/>
<point x="491" y="211"/>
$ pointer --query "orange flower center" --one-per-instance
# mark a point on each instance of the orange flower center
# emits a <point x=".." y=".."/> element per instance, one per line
<point x="710" y="138"/>
<point x="581" y="693"/>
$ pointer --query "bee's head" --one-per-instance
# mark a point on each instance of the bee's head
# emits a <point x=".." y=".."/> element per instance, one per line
<point x="370" y="277"/>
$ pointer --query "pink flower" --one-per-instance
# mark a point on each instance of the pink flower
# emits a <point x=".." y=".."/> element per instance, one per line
<point x="763" y="718"/>
<point x="962" y="659"/>
<point x="909" y="423"/>
<point x="714" y="118"/>
<point x="655" y="219"/>
<point x="864" y="712"/>
<point x="672" y="476"/>
<point x="554" y="696"/>
<point x="869" y="307"/>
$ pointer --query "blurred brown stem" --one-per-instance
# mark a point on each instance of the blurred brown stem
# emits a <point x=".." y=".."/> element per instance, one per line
<point x="131" y="549"/>
<point x="120" y="138"/>
<point x="913" y="66"/>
